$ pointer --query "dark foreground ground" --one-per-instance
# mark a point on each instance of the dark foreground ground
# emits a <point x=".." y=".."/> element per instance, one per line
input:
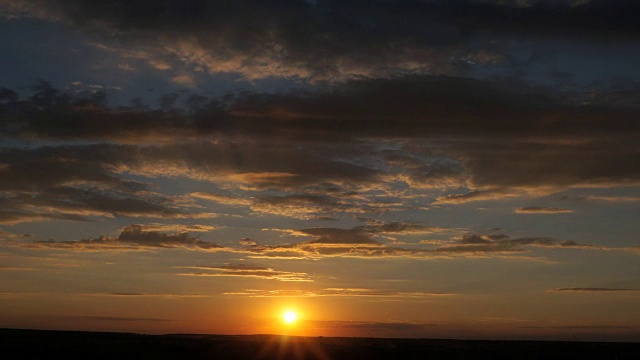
<point x="41" y="344"/>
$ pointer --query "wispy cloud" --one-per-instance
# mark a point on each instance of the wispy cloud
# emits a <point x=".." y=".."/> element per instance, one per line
<point x="359" y="242"/>
<point x="222" y="199"/>
<point x="593" y="289"/>
<point x="613" y="199"/>
<point x="477" y="195"/>
<point x="339" y="292"/>
<point x="542" y="210"/>
<point x="175" y="228"/>
<point x="242" y="270"/>
<point x="145" y="295"/>
<point x="17" y="268"/>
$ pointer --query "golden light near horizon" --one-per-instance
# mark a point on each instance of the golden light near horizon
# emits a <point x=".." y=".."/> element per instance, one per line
<point x="289" y="317"/>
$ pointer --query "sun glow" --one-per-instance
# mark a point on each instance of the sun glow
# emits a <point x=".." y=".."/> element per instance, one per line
<point x="289" y="317"/>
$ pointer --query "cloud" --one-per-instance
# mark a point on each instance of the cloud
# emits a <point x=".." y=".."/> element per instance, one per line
<point x="498" y="243"/>
<point x="222" y="199"/>
<point x="334" y="236"/>
<point x="146" y="295"/>
<point x="449" y="132"/>
<point x="89" y="181"/>
<point x="593" y="289"/>
<point x="242" y="270"/>
<point x="131" y="238"/>
<point x="318" y="203"/>
<point x="413" y="106"/>
<point x="476" y="195"/>
<point x="185" y="80"/>
<point x="401" y="228"/>
<point x="77" y="183"/>
<point x="542" y="210"/>
<point x="176" y="228"/>
<point x="16" y="217"/>
<point x="339" y="292"/>
<point x="248" y="166"/>
<point x="613" y="199"/>
<point x="304" y="206"/>
<point x="539" y="167"/>
<point x="362" y="235"/>
<point x="248" y="242"/>
<point x="359" y="242"/>
<point x="457" y="120"/>
<point x="17" y="268"/>
<point x="300" y="39"/>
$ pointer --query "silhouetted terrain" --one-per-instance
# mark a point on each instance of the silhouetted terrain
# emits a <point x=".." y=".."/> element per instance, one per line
<point x="42" y="344"/>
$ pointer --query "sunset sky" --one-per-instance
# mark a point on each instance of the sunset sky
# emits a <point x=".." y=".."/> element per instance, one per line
<point x="446" y="169"/>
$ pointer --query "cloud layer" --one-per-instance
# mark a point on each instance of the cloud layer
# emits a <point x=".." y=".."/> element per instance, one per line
<point x="316" y="40"/>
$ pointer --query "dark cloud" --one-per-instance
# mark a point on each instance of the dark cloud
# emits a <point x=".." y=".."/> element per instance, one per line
<point x="40" y="168"/>
<point x="51" y="113"/>
<point x="81" y="181"/>
<point x="75" y="183"/>
<point x="535" y="166"/>
<point x="398" y="107"/>
<point x="498" y="139"/>
<point x="254" y="165"/>
<point x="499" y="243"/>
<point x="132" y="237"/>
<point x="323" y="40"/>
<point x="137" y="235"/>
<point x="431" y="106"/>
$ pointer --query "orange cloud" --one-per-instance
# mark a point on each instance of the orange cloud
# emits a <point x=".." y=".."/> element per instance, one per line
<point x="339" y="292"/>
<point x="241" y="270"/>
<point x="542" y="210"/>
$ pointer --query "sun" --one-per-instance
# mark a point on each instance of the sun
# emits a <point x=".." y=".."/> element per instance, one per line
<point x="289" y="317"/>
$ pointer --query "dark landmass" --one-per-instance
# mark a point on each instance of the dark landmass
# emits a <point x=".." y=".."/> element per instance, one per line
<point x="44" y="344"/>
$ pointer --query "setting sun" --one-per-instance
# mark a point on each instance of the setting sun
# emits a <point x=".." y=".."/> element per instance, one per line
<point x="289" y="317"/>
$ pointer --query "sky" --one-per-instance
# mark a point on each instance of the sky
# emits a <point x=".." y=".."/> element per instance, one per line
<point x="462" y="169"/>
